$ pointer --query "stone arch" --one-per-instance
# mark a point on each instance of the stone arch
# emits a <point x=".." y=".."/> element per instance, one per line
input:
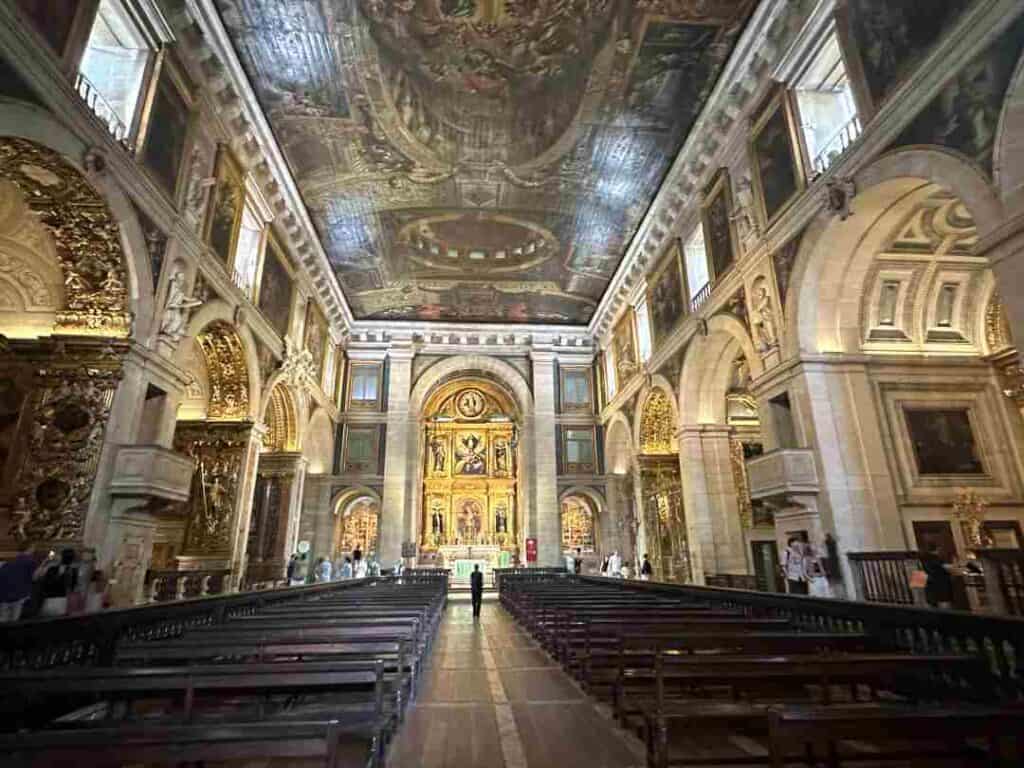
<point x="707" y="369"/>
<point x="823" y="307"/>
<point x="618" y="448"/>
<point x="220" y="312"/>
<point x="226" y="372"/>
<point x="40" y="128"/>
<point x="342" y="507"/>
<point x="469" y="365"/>
<point x="657" y="422"/>
<point x="318" y="442"/>
<point x="281" y="415"/>
<point x="1008" y="159"/>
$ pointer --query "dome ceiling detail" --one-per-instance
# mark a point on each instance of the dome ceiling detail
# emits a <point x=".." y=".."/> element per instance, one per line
<point x="480" y="160"/>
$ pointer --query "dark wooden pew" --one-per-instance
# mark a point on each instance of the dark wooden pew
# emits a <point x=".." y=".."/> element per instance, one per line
<point x="329" y="742"/>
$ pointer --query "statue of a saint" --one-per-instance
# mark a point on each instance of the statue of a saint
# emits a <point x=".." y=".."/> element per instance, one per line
<point x="438" y="452"/>
<point x="765" y="319"/>
<point x="500" y="456"/>
<point x="500" y="519"/>
<point x="437" y="520"/>
<point x="177" y="309"/>
<point x="743" y="214"/>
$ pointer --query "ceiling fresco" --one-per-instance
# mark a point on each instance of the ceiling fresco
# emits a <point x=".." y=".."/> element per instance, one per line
<point x="480" y="160"/>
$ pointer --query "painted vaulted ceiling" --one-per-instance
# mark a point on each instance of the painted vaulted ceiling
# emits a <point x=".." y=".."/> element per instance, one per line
<point x="480" y="160"/>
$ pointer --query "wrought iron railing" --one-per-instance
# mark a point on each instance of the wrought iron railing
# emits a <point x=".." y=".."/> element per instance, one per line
<point x="701" y="297"/>
<point x="102" y="108"/>
<point x="834" y="148"/>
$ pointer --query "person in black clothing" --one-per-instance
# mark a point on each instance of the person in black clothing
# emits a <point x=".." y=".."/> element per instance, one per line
<point x="938" y="590"/>
<point x="577" y="562"/>
<point x="646" y="570"/>
<point x="476" y="589"/>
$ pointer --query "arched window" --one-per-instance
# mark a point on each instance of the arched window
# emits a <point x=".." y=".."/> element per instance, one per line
<point x="577" y="524"/>
<point x="357" y="526"/>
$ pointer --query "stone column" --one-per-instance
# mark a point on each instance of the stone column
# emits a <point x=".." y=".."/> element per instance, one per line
<point x="220" y="510"/>
<point x="544" y="523"/>
<point x="396" y="523"/>
<point x="316" y="523"/>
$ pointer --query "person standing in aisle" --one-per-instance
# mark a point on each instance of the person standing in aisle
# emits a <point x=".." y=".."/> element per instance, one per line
<point x="476" y="590"/>
<point x="794" y="566"/>
<point x="646" y="570"/>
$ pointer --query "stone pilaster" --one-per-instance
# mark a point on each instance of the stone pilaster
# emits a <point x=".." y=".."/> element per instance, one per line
<point x="396" y="523"/>
<point x="544" y="521"/>
<point x="710" y="500"/>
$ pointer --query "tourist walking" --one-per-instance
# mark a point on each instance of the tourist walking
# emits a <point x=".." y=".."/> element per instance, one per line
<point x="615" y="565"/>
<point x="577" y="562"/>
<point x="604" y="566"/>
<point x="323" y="569"/>
<point x="646" y="570"/>
<point x="476" y="589"/>
<point x="58" y="582"/>
<point x="794" y="567"/>
<point x="346" y="569"/>
<point x="293" y="563"/>
<point x="361" y="568"/>
<point x="16" y="583"/>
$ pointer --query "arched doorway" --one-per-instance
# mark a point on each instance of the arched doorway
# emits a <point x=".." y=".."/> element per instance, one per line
<point x="356" y="525"/>
<point x="578" y="524"/>
<point x="470" y="491"/>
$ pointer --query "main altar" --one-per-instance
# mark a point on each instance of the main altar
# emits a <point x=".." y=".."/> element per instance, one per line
<point x="470" y="481"/>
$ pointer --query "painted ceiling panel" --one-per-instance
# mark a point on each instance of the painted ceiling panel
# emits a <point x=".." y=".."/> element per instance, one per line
<point x="480" y="160"/>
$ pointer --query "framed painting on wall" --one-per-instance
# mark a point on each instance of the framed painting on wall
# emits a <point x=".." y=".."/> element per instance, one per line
<point x="314" y="338"/>
<point x="275" y="292"/>
<point x="167" y="129"/>
<point x="775" y="158"/>
<point x="716" y="217"/>
<point x="943" y="441"/>
<point x="224" y="216"/>
<point x="665" y="294"/>
<point x="624" y="344"/>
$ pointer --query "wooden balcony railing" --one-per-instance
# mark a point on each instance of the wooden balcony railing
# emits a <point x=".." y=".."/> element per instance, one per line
<point x="884" y="577"/>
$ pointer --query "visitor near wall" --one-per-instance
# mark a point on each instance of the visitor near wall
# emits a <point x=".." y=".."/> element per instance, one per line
<point x="794" y="567"/>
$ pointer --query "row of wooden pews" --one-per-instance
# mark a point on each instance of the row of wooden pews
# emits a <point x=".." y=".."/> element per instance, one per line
<point x="318" y="675"/>
<point x="706" y="684"/>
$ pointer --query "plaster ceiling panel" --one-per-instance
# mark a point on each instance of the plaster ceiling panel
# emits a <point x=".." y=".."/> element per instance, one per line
<point x="480" y="160"/>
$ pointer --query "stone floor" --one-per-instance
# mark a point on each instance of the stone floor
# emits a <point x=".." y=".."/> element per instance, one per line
<point x="490" y="698"/>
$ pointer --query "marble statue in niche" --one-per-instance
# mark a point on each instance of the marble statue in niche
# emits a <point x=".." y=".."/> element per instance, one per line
<point x="764" y="316"/>
<point x="177" y="309"/>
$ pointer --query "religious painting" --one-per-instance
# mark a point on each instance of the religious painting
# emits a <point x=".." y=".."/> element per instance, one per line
<point x="775" y="159"/>
<point x="361" y="449"/>
<point x="965" y="114"/>
<point x="166" y="132"/>
<point x="670" y="68"/>
<point x="225" y="206"/>
<point x="469" y="519"/>
<point x="576" y="127"/>
<point x="575" y="392"/>
<point x="665" y="294"/>
<point x="275" y="295"/>
<point x="577" y="525"/>
<point x="315" y="337"/>
<point x="943" y="441"/>
<point x="578" y="455"/>
<point x="53" y="19"/>
<point x="470" y="454"/>
<point x="439" y="454"/>
<point x="893" y="36"/>
<point x="716" y="215"/>
<point x="624" y="347"/>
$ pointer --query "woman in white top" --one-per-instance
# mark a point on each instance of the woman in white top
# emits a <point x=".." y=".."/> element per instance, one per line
<point x="794" y="567"/>
<point x="361" y="568"/>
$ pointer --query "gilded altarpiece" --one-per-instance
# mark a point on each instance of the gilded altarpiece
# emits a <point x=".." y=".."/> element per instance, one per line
<point x="220" y="453"/>
<point x="56" y="396"/>
<point x="662" y="490"/>
<point x="470" y="468"/>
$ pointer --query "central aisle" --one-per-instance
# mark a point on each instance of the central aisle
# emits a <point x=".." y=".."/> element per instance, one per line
<point x="490" y="698"/>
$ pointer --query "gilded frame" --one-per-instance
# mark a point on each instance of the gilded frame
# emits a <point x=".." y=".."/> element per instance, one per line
<point x="719" y="188"/>
<point x="781" y="100"/>
<point x="659" y="335"/>
<point x="227" y="171"/>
